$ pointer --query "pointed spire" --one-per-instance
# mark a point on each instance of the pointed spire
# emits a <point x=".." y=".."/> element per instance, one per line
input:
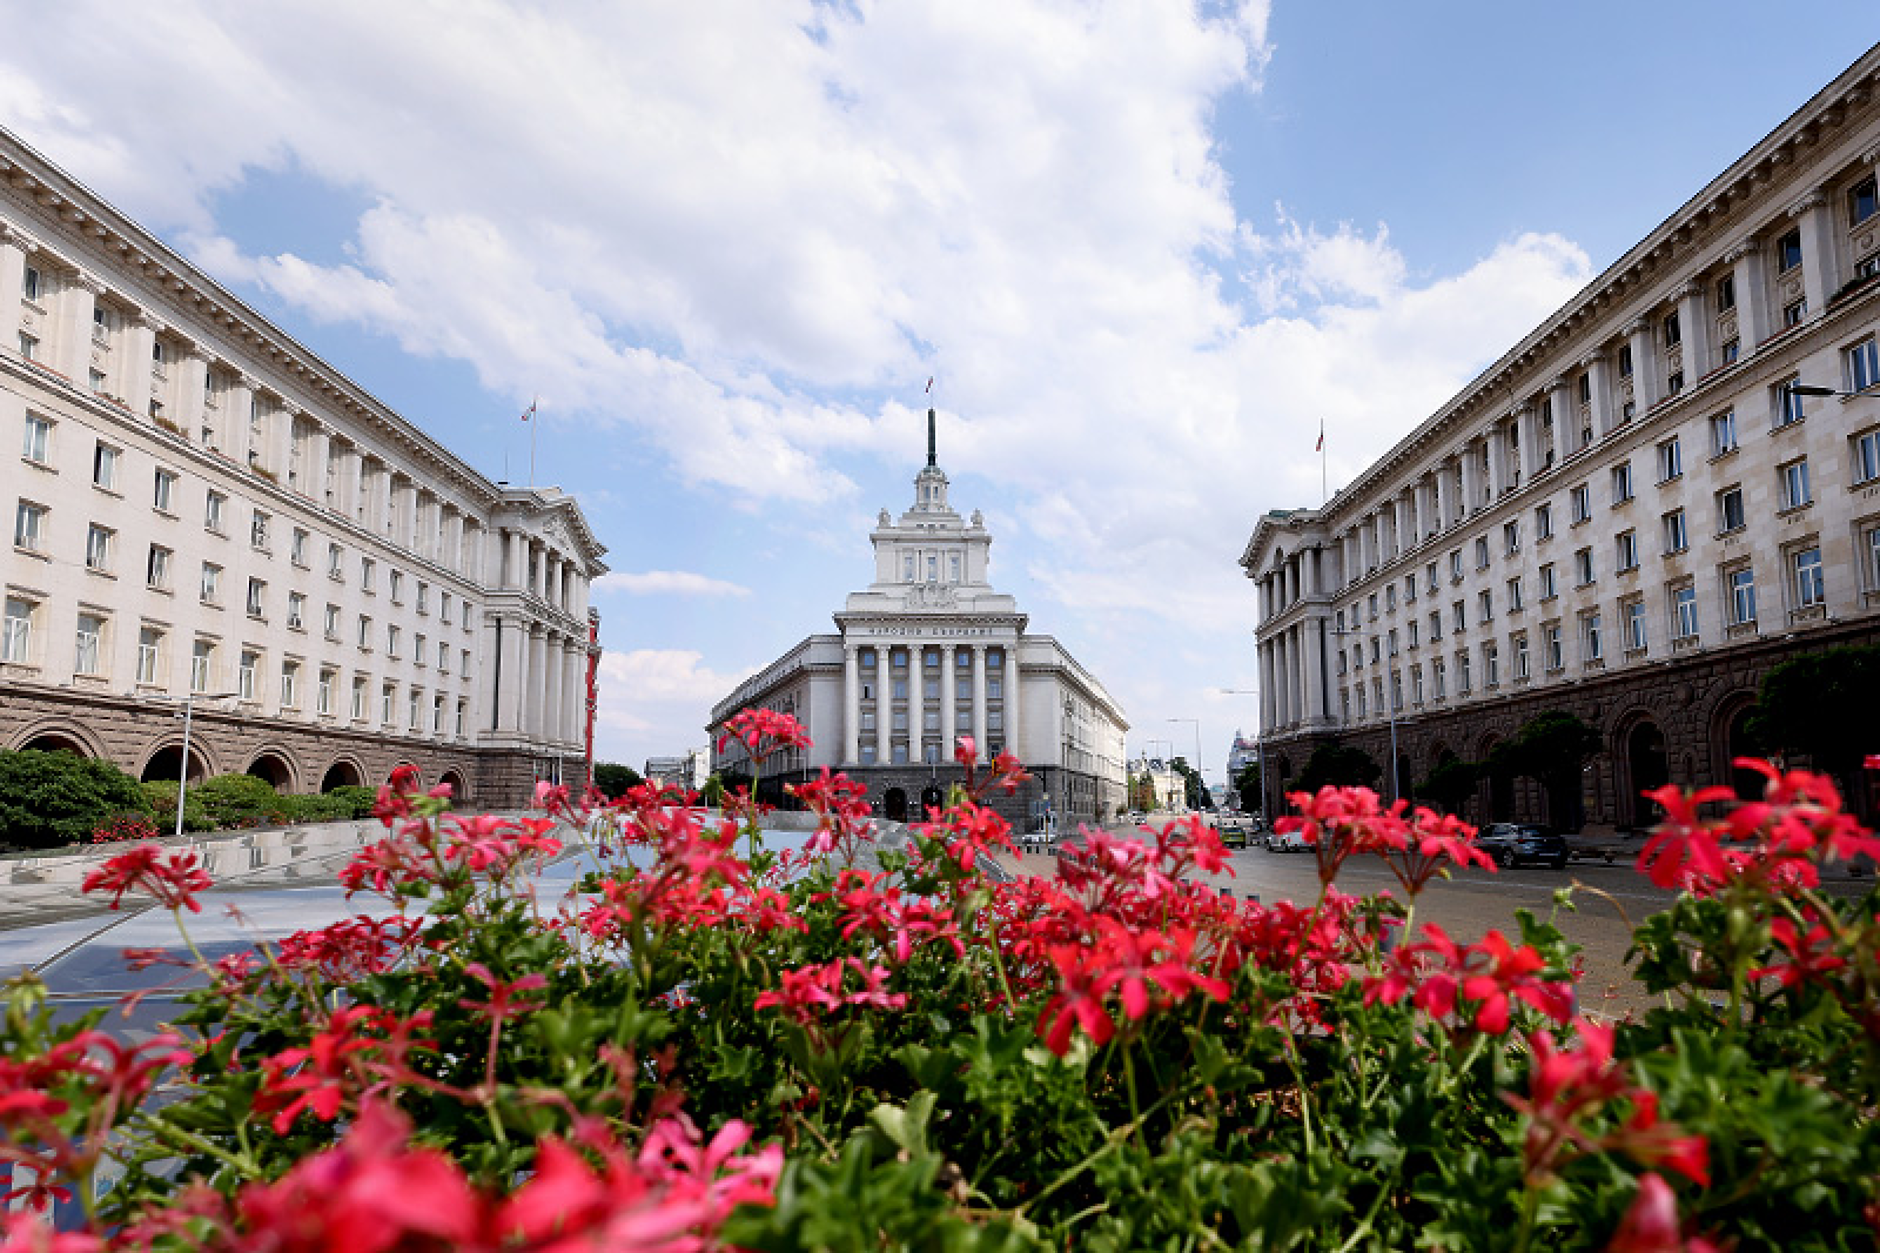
<point x="931" y="460"/>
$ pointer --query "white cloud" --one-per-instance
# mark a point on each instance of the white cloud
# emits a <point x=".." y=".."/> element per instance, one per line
<point x="668" y="583"/>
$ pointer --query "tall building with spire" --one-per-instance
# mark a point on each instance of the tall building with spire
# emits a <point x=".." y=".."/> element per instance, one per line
<point x="929" y="652"/>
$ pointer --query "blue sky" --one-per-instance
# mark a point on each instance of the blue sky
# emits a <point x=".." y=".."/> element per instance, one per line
<point x="1145" y="251"/>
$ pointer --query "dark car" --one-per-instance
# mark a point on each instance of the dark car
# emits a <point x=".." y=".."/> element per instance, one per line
<point x="1515" y="844"/>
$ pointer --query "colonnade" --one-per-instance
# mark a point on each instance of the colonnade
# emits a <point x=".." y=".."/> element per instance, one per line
<point x="917" y="736"/>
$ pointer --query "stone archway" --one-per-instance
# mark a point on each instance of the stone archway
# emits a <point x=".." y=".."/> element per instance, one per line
<point x="53" y="736"/>
<point x="931" y="798"/>
<point x="342" y="773"/>
<point x="894" y="805"/>
<point x="1730" y="739"/>
<point x="453" y="778"/>
<point x="1646" y="765"/>
<point x="167" y="763"/>
<point x="273" y="768"/>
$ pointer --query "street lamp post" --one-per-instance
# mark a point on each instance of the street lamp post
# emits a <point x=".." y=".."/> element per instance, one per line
<point x="1259" y="744"/>
<point x="182" y="781"/>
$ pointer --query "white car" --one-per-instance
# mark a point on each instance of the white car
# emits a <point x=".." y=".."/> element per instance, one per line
<point x="1286" y="842"/>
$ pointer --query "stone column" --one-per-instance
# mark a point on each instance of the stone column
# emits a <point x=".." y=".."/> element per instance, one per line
<point x="72" y="357"/>
<point x="1439" y="494"/>
<point x="548" y="700"/>
<point x="574" y="709"/>
<point x="1295" y="677"/>
<point x="949" y="707"/>
<point x="516" y="545"/>
<point x="916" y="706"/>
<point x="1598" y="367"/>
<point x="1315" y="703"/>
<point x="1495" y="459"/>
<point x="1638" y="334"/>
<point x="1694" y="329"/>
<point x="13" y="249"/>
<point x="1014" y="698"/>
<point x="318" y="459"/>
<point x="140" y="339"/>
<point x="189" y="375"/>
<point x="884" y="709"/>
<point x="515" y="673"/>
<point x="1752" y="299"/>
<point x="979" y="698"/>
<point x="1269" y="713"/>
<point x="1819" y="272"/>
<point x="1471" y="480"/>
<point x="1528" y="421"/>
<point x="851" y="704"/>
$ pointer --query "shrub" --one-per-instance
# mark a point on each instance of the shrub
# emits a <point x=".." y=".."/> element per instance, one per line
<point x="358" y="799"/>
<point x="318" y="808"/>
<point x="49" y="799"/>
<point x="160" y="799"/>
<point x="124" y="827"/>
<point x="239" y="801"/>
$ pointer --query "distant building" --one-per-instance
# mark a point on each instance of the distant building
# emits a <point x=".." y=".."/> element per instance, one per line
<point x="1167" y="785"/>
<point x="202" y="506"/>
<point x="930" y="652"/>
<point x="1631" y="516"/>
<point x="688" y="770"/>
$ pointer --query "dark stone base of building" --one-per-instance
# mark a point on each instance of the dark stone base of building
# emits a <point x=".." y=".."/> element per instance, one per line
<point x="145" y="739"/>
<point x="906" y="793"/>
<point x="1680" y="720"/>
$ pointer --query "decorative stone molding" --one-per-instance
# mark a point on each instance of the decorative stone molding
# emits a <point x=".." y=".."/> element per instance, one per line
<point x="1749" y="247"/>
<point x="1812" y="200"/>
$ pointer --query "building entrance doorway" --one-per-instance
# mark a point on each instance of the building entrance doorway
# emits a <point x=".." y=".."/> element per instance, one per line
<point x="894" y="805"/>
<point x="1646" y="768"/>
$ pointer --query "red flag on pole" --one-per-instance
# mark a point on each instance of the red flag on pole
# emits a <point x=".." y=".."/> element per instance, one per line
<point x="1320" y="446"/>
<point x="529" y="412"/>
<point x="930" y="386"/>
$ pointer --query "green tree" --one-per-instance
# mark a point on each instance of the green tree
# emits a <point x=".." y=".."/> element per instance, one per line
<point x="1194" y="794"/>
<point x="1551" y="747"/>
<point x="613" y="779"/>
<point x="1450" y="783"/>
<point x="1247" y="786"/>
<point x="1822" y="704"/>
<point x="48" y="799"/>
<point x="1339" y="765"/>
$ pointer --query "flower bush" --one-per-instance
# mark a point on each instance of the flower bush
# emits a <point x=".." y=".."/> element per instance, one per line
<point x="711" y="1044"/>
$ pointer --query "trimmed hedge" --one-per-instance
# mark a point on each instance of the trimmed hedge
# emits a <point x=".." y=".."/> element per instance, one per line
<point x="49" y="799"/>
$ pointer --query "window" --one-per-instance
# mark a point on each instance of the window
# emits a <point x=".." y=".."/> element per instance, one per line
<point x="424" y="597"/>
<point x="1861" y="202"/>
<point x="1793" y="313"/>
<point x="1622" y="483"/>
<point x="1867" y="456"/>
<point x="38" y="442"/>
<point x="29" y="346"/>
<point x="1485" y="606"/>
<point x="212" y="508"/>
<point x="1726" y="293"/>
<point x="1670" y="460"/>
<point x="1626" y="543"/>
<point x="100" y="324"/>
<point x="30" y="284"/>
<point x="1462" y="673"/>
<point x="29" y="527"/>
<point x="359" y="698"/>
<point x="149" y="654"/>
<point x="1390" y="599"/>
<point x="1788" y="402"/>
<point x="388" y="704"/>
<point x="1676" y="539"/>
<point x="1544" y="522"/>
<point x="1583" y="566"/>
<point x="1548" y="588"/>
<point x="365" y="632"/>
<point x="367" y="568"/>
<point x="1455" y="565"/>
<point x="1730" y="509"/>
<point x="16" y="632"/>
<point x="1863" y="365"/>
<point x="323" y="692"/>
<point x="201" y="663"/>
<point x="437" y="714"/>
<point x="1723" y="433"/>
<point x="104" y="463"/>
<point x="1458" y="617"/>
<point x="1684" y="612"/>
<point x="88" y="655"/>
<point x="1514" y="595"/>
<point x="1556" y="657"/>
<point x="335" y="562"/>
<point x="296" y="610"/>
<point x="257" y="597"/>
<point x="157" y="354"/>
<point x="463" y="659"/>
<point x="1810" y="588"/>
<point x="1625" y="361"/>
<point x="211" y="583"/>
<point x="1675" y="383"/>
<point x="1634" y="612"/>
<point x="1742" y="589"/>
<point x="330" y="626"/>
<point x="1510" y="538"/>
<point x="1410" y="590"/>
<point x="1481" y="553"/>
<point x="1673" y="335"/>
<point x="1429" y="579"/>
<point x="1371" y="605"/>
<point x="297" y="548"/>
<point x="1436" y="626"/>
<point x="414" y="710"/>
<point x="1789" y="251"/>
<point x="98" y="544"/>
<point x="290" y="685"/>
<point x="395" y="585"/>
<point x="1416" y="631"/>
<point x="1794" y="481"/>
<point x="1590" y="638"/>
<point x="419" y="652"/>
<point x="1520" y="657"/>
<point x="443" y="607"/>
<point x="391" y="639"/>
<point x="1731" y="350"/>
<point x="1491" y="665"/>
<point x="157" y="568"/>
<point x="443" y="657"/>
<point x="258" y="530"/>
<point x="1438" y="675"/>
<point x="1581" y="500"/>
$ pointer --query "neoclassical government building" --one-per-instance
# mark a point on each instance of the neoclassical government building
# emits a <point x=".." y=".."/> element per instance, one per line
<point x="927" y="653"/>
<point x="202" y="508"/>
<point x="1631" y="516"/>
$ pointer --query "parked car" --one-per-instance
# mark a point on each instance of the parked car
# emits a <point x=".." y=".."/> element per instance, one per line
<point x="1235" y="830"/>
<point x="1286" y="842"/>
<point x="1514" y="844"/>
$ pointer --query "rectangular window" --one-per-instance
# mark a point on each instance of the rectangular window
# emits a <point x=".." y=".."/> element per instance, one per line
<point x="443" y="657"/>
<point x="1742" y="585"/>
<point x="1635" y="626"/>
<point x="1810" y="588"/>
<point x="1544" y="522"/>
<point x="1863" y="365"/>
<point x="1723" y="433"/>
<point x="443" y="607"/>
<point x="98" y="544"/>
<point x="1730" y="509"/>
<point x="1485" y="606"/>
<point x="211" y="583"/>
<point x="424" y="597"/>
<point x="1583" y="565"/>
<point x="1622" y="483"/>
<point x="38" y="442"/>
<point x="30" y="284"/>
<point x="1436" y="626"/>
<point x="1673" y="334"/>
<point x="1625" y="361"/>
<point x="1861" y="203"/>
<point x="391" y="640"/>
<point x="257" y="597"/>
<point x="29" y="346"/>
<point x="323" y="693"/>
<point x="1590" y="636"/>
<point x="245" y="673"/>
<point x="1726" y="293"/>
<point x="16" y="632"/>
<point x="1867" y="456"/>
<point x="88" y="657"/>
<point x="388" y="704"/>
<point x="149" y="654"/>
<point x="1626" y="543"/>
<point x="1582" y="503"/>
<point x="365" y="632"/>
<point x="367" y="568"/>
<point x="1457" y="616"/>
<point x="1514" y="595"/>
<point x="330" y="627"/>
<point x="213" y="505"/>
<point x="258" y="530"/>
<point x="297" y="548"/>
<point x="1676" y="538"/>
<point x="1789" y="251"/>
<point x="395" y="585"/>
<point x="157" y="568"/>
<point x="1491" y="665"/>
<point x="1462" y="673"/>
<point x="201" y="664"/>
<point x="1548" y="588"/>
<point x="296" y="610"/>
<point x="1794" y="481"/>
<point x="1511" y="538"/>
<point x="1455" y="565"/>
<point x="1675" y="383"/>
<point x="359" y="698"/>
<point x="1556" y="656"/>
<point x="29" y="527"/>
<point x="290" y="685"/>
<point x="414" y="710"/>
<point x="1520" y="657"/>
<point x="1670" y="460"/>
<point x="104" y="466"/>
<point x="419" y="652"/>
<point x="1684" y="613"/>
<point x="1732" y="349"/>
<point x="1481" y="553"/>
<point x="1787" y="402"/>
<point x="1793" y="313"/>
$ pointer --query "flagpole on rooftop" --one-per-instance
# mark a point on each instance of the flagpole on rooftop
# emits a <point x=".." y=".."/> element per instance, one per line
<point x="528" y="416"/>
<point x="1325" y="490"/>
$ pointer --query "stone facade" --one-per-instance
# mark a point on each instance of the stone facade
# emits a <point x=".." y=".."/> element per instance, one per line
<point x="201" y="505"/>
<point x="1632" y="514"/>
<point x="930" y="652"/>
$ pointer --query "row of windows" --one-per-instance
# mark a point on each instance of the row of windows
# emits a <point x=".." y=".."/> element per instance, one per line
<point x="868" y="658"/>
<point x="962" y="689"/>
<point x="930" y="720"/>
<point x="932" y="751"/>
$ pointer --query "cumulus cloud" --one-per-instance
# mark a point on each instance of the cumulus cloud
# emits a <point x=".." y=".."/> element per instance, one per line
<point x="668" y="583"/>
